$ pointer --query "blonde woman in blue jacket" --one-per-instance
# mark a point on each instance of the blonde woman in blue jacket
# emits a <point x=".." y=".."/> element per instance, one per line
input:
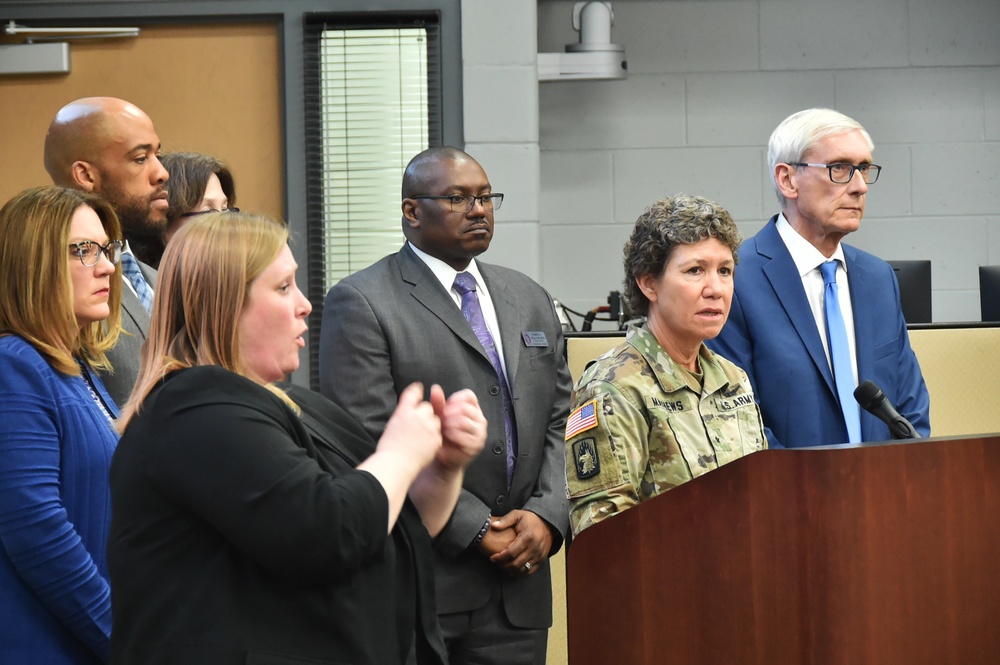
<point x="59" y="314"/>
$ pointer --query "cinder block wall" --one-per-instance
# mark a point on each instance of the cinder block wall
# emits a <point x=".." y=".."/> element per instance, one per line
<point x="708" y="82"/>
<point x="500" y="97"/>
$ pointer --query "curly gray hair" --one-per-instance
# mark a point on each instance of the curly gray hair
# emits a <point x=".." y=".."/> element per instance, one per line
<point x="667" y="223"/>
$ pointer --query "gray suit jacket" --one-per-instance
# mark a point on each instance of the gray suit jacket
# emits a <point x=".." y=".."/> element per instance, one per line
<point x="393" y="323"/>
<point x="125" y="356"/>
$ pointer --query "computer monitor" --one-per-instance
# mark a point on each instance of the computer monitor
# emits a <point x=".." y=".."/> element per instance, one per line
<point x="914" y="279"/>
<point x="989" y="293"/>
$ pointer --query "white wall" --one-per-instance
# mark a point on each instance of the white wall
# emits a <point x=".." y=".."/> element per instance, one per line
<point x="500" y="100"/>
<point x="708" y="82"/>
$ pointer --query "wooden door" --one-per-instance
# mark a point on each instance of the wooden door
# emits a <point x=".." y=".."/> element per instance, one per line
<point x="212" y="88"/>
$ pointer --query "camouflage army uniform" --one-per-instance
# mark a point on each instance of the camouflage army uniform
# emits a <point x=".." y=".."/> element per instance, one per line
<point x="652" y="427"/>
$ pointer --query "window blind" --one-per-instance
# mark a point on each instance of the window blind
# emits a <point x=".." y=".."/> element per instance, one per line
<point x="372" y="102"/>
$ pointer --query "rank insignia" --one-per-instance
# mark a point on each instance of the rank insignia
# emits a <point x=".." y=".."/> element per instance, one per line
<point x="588" y="464"/>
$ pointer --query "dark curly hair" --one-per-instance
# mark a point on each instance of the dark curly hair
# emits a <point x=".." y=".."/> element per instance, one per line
<point x="667" y="223"/>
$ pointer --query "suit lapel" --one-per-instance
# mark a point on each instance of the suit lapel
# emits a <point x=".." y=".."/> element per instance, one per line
<point x="784" y="278"/>
<point x="509" y="318"/>
<point x="149" y="273"/>
<point x="858" y="279"/>
<point x="133" y="312"/>
<point x="427" y="290"/>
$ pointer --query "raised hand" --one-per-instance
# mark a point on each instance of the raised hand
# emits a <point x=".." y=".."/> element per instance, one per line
<point x="413" y="433"/>
<point x="463" y="428"/>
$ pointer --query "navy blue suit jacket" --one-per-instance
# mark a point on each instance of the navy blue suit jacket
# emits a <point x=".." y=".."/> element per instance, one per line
<point x="771" y="333"/>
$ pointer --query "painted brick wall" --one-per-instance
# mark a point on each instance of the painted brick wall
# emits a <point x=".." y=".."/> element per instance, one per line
<point x="708" y="82"/>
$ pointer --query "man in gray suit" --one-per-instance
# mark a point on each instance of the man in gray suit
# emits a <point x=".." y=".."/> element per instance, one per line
<point x="406" y="319"/>
<point x="109" y="147"/>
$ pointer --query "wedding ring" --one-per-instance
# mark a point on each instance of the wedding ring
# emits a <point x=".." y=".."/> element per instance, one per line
<point x="527" y="565"/>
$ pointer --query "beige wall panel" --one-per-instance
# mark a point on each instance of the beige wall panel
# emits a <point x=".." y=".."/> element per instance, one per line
<point x="208" y="88"/>
<point x="960" y="367"/>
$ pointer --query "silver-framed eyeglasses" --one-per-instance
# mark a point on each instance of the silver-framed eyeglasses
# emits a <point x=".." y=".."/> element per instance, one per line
<point x="463" y="203"/>
<point x="195" y="213"/>
<point x="841" y="172"/>
<point x="89" y="252"/>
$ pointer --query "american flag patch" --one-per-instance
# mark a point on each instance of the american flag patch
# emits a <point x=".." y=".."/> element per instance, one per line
<point x="582" y="419"/>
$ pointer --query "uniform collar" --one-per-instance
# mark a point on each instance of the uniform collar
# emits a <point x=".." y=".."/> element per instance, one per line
<point x="668" y="373"/>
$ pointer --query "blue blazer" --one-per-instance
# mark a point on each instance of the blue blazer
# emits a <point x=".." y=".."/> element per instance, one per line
<point x="55" y="508"/>
<point x="771" y="333"/>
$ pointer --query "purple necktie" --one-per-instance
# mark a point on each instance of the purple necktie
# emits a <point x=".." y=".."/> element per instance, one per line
<point x="465" y="285"/>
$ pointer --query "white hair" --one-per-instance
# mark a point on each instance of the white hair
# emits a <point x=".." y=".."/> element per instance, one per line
<point x="801" y="131"/>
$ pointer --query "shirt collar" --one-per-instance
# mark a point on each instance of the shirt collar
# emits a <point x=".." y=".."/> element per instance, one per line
<point x="806" y="257"/>
<point x="444" y="272"/>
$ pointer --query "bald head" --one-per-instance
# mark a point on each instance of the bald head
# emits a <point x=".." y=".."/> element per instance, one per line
<point x="80" y="132"/>
<point x="432" y="221"/>
<point x="426" y="167"/>
<point x="109" y="147"/>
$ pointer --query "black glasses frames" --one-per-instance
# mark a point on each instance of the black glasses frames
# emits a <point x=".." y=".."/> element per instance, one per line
<point x="464" y="203"/>
<point x="841" y="173"/>
<point x="195" y="213"/>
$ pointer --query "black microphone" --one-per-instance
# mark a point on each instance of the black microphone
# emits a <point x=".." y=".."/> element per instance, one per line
<point x="873" y="400"/>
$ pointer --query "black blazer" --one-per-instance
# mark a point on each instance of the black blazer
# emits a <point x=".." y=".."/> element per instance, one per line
<point x="241" y="533"/>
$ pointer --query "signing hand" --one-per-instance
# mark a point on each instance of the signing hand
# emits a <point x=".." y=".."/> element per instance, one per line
<point x="413" y="433"/>
<point x="463" y="428"/>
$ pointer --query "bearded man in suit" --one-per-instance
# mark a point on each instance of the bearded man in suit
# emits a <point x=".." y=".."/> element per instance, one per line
<point x="433" y="313"/>
<point x="109" y="147"/>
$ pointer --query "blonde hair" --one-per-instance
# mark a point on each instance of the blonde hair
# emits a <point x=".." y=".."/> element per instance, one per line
<point x="201" y="290"/>
<point x="36" y="290"/>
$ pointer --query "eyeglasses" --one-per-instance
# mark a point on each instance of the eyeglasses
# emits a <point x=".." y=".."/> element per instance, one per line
<point x="205" y="212"/>
<point x="842" y="173"/>
<point x="89" y="252"/>
<point x="464" y="204"/>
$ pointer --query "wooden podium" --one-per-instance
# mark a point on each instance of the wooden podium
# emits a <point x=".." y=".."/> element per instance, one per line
<point x="879" y="554"/>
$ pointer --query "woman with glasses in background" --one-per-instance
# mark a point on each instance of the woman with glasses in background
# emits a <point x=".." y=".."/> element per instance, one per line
<point x="59" y="314"/>
<point x="198" y="184"/>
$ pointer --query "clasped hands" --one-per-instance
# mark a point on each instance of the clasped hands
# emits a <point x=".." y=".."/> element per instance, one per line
<point x="447" y="434"/>
<point x="518" y="542"/>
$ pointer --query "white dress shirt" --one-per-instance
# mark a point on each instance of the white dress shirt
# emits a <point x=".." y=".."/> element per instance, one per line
<point x="446" y="275"/>
<point x="807" y="261"/>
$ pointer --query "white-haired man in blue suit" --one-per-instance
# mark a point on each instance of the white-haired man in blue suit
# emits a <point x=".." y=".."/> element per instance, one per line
<point x="812" y="317"/>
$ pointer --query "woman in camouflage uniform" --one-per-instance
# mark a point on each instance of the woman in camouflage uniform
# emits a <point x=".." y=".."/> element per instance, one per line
<point x="661" y="408"/>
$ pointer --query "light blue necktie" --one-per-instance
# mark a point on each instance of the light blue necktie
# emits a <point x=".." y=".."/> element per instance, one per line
<point x="840" y="352"/>
<point x="465" y="285"/>
<point x="130" y="268"/>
